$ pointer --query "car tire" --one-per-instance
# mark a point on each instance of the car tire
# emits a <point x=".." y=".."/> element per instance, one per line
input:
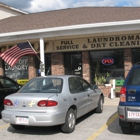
<point x="70" y="121"/>
<point x="127" y="130"/>
<point x="18" y="127"/>
<point x="99" y="108"/>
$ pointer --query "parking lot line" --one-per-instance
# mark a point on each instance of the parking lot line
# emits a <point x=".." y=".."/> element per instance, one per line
<point x="97" y="133"/>
<point x="4" y="126"/>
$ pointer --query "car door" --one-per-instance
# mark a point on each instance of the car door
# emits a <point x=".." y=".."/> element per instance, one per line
<point x="79" y="96"/>
<point x="93" y="95"/>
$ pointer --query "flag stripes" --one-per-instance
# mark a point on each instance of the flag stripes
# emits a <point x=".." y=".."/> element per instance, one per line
<point x="12" y="55"/>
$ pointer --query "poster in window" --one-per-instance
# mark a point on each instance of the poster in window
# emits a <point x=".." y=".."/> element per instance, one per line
<point x="19" y="71"/>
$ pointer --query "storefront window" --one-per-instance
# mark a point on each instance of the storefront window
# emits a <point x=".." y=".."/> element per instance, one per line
<point x="47" y="64"/>
<point x="135" y="56"/>
<point x="106" y="66"/>
<point x="19" y="71"/>
<point x="73" y="63"/>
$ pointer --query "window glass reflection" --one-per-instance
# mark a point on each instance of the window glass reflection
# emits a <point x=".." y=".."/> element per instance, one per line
<point x="104" y="72"/>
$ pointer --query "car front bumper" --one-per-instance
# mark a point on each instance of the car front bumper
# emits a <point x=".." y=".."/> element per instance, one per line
<point x="35" y="119"/>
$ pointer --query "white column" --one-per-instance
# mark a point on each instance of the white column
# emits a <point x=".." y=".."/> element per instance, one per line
<point x="113" y="90"/>
<point x="42" y="54"/>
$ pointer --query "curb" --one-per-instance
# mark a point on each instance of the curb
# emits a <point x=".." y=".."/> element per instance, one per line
<point x="114" y="101"/>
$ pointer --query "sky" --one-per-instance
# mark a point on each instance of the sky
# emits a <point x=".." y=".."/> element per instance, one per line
<point x="34" y="6"/>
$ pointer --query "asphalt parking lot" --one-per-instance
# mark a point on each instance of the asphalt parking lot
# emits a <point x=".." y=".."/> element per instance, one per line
<point x="92" y="126"/>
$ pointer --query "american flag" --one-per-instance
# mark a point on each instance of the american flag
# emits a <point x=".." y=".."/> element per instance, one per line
<point x="12" y="55"/>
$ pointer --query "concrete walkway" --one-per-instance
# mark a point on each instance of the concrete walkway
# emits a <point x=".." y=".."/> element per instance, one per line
<point x="111" y="102"/>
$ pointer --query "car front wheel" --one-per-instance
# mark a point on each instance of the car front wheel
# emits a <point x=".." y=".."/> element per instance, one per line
<point x="99" y="108"/>
<point x="70" y="122"/>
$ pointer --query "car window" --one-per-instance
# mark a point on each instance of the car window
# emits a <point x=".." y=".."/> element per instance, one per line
<point x="134" y="77"/>
<point x="86" y="86"/>
<point x="74" y="85"/>
<point x="1" y="85"/>
<point x="43" y="85"/>
<point x="6" y="83"/>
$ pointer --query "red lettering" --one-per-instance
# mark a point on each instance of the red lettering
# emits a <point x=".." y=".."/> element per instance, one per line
<point x="107" y="61"/>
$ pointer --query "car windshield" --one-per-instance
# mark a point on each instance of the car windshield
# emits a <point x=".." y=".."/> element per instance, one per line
<point x="43" y="85"/>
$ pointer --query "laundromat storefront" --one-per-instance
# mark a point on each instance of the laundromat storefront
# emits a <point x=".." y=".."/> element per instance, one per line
<point x="109" y="49"/>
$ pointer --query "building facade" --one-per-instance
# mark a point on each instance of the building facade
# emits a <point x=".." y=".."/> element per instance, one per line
<point x="99" y="47"/>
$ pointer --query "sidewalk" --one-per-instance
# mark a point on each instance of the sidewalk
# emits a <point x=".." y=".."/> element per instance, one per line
<point x="111" y="102"/>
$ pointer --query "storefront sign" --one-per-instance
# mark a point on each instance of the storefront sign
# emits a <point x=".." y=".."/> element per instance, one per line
<point x="91" y="43"/>
<point x="48" y="47"/>
<point x="97" y="43"/>
<point x="108" y="61"/>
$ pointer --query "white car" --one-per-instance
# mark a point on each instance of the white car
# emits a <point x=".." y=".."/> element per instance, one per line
<point x="52" y="100"/>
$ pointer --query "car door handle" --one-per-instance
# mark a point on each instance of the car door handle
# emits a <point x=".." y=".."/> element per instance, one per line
<point x="131" y="91"/>
<point x="75" y="99"/>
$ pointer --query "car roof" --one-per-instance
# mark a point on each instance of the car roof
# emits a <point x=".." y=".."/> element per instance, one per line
<point x="137" y="64"/>
<point x="59" y="76"/>
<point x="3" y="76"/>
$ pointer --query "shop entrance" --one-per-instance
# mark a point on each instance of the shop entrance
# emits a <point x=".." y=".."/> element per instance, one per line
<point x="73" y="63"/>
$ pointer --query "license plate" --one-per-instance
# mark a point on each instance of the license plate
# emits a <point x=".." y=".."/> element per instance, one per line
<point x="133" y="114"/>
<point x="22" y="120"/>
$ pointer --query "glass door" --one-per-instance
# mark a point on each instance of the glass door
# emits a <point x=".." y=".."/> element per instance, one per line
<point x="73" y="63"/>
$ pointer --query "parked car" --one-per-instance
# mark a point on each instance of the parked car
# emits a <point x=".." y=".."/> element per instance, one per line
<point x="7" y="86"/>
<point x="52" y="100"/>
<point x="129" y="105"/>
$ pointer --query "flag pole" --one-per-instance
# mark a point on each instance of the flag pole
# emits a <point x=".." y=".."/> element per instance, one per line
<point x="34" y="51"/>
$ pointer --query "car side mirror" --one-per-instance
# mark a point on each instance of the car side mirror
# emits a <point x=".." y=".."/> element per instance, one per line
<point x="94" y="87"/>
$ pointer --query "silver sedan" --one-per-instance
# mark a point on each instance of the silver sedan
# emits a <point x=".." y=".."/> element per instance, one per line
<point x="52" y="100"/>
